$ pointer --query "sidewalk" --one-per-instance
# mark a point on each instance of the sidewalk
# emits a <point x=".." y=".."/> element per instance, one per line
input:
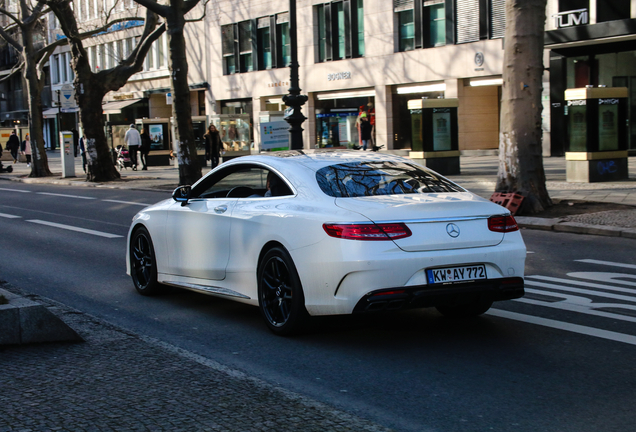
<point x="478" y="174"/>
<point x="120" y="381"/>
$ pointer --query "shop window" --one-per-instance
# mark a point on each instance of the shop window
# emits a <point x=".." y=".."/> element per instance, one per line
<point x="613" y="10"/>
<point x="228" y="42"/>
<point x="339" y="33"/>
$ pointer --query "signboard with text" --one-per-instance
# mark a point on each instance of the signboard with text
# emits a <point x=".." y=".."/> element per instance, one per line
<point x="275" y="136"/>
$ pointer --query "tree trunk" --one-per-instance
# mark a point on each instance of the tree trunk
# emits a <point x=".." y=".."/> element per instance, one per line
<point x="520" y="151"/>
<point x="189" y="168"/>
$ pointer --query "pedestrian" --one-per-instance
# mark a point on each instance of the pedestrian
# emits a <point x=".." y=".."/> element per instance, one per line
<point x="25" y="149"/>
<point x="145" y="148"/>
<point x="133" y="140"/>
<point x="75" y="141"/>
<point x="82" y="149"/>
<point x="13" y="145"/>
<point x="212" y="145"/>
<point x="365" y="130"/>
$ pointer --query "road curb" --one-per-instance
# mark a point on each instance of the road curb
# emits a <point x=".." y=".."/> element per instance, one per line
<point x="559" y="225"/>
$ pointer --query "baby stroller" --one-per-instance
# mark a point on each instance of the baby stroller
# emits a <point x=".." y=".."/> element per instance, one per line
<point x="8" y="169"/>
<point x="123" y="158"/>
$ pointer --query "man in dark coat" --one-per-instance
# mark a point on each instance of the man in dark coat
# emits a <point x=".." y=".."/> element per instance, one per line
<point x="13" y="145"/>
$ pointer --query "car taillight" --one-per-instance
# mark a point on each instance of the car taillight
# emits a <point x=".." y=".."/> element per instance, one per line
<point x="388" y="231"/>
<point x="502" y="224"/>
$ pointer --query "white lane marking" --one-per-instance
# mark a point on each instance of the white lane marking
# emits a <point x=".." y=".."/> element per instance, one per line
<point x="576" y="282"/>
<point x="559" y="325"/>
<point x="529" y="252"/>
<point x="608" y="263"/>
<point x="588" y="292"/>
<point x="8" y="216"/>
<point x="15" y="190"/>
<point x="606" y="277"/>
<point x="581" y="305"/>
<point x="72" y="228"/>
<point x="127" y="202"/>
<point x="66" y="196"/>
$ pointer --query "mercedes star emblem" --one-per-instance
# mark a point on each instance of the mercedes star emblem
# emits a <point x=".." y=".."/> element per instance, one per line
<point x="452" y="230"/>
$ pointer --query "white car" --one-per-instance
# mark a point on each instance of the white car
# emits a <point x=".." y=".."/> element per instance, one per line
<point x="302" y="233"/>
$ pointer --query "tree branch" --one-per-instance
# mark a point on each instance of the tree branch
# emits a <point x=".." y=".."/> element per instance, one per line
<point x="11" y="16"/>
<point x="10" y="40"/>
<point x="205" y="10"/>
<point x="152" y="5"/>
<point x="188" y="5"/>
<point x="37" y="12"/>
<point x="14" y="71"/>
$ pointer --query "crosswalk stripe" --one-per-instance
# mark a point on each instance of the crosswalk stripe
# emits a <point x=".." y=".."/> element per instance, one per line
<point x="8" y="216"/>
<point x="607" y="263"/>
<point x="531" y="280"/>
<point x="574" y="328"/>
<point x="72" y="228"/>
<point x="588" y="292"/>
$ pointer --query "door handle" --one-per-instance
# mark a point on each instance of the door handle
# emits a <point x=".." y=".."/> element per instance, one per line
<point x="220" y="209"/>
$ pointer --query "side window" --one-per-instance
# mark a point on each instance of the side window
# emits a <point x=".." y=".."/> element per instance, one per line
<point x="242" y="181"/>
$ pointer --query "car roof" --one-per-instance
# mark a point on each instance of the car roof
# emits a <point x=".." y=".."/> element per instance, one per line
<point x="317" y="159"/>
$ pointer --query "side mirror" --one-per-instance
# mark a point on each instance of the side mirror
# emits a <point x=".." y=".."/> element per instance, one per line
<point x="182" y="194"/>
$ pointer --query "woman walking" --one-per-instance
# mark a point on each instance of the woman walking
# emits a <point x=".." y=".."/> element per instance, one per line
<point x="25" y="149"/>
<point x="145" y="147"/>
<point x="212" y="146"/>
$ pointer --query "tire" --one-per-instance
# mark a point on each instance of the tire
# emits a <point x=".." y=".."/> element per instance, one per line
<point x="280" y="294"/>
<point x="143" y="264"/>
<point x="467" y="310"/>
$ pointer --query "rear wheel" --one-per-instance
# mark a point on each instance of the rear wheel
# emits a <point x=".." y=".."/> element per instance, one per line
<point x="465" y="310"/>
<point x="280" y="294"/>
<point x="143" y="265"/>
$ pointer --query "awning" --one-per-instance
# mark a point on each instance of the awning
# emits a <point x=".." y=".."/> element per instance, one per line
<point x="117" y="106"/>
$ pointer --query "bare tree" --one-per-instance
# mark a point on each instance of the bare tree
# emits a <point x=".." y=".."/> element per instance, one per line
<point x="520" y="152"/>
<point x="174" y="14"/>
<point x="91" y="87"/>
<point x="22" y="35"/>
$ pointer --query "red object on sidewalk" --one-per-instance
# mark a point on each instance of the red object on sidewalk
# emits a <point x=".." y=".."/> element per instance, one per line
<point x="512" y="200"/>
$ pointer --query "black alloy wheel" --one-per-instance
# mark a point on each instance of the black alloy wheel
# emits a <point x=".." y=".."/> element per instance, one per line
<point x="280" y="294"/>
<point x="143" y="265"/>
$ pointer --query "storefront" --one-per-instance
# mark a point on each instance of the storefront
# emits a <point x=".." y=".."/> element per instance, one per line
<point x="600" y="54"/>
<point x="337" y="115"/>
<point x="235" y="125"/>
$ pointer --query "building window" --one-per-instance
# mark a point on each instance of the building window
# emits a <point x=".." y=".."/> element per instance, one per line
<point x="283" y="47"/>
<point x="264" y="44"/>
<point x="228" y="41"/>
<point x="434" y="18"/>
<point x="339" y="32"/>
<point x="613" y="10"/>
<point x="407" y="30"/>
<point x="55" y="77"/>
<point x="245" y="46"/>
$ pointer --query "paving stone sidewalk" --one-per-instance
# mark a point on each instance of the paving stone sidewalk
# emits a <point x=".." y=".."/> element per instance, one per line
<point x="120" y="381"/>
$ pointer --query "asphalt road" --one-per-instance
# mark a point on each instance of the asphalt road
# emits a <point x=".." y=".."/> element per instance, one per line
<point x="561" y="358"/>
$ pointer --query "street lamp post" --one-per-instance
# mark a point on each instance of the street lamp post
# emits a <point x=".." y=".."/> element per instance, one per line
<point x="294" y="100"/>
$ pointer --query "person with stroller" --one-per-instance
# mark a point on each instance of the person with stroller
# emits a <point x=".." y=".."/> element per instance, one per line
<point x="145" y="147"/>
<point x="133" y="141"/>
<point x="13" y="145"/>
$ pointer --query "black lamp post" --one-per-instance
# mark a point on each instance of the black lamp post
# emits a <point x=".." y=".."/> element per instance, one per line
<point x="294" y="100"/>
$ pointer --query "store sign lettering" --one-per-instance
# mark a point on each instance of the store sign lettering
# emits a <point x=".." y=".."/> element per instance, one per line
<point x="571" y="18"/>
<point x="608" y="101"/>
<point x="338" y="76"/>
<point x="279" y="84"/>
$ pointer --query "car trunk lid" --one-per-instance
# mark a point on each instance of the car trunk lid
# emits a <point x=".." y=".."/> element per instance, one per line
<point x="438" y="221"/>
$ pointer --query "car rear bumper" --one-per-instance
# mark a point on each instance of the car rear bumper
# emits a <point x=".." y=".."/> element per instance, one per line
<point x="447" y="294"/>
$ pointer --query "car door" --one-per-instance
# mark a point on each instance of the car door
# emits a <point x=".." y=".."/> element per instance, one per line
<point x="198" y="233"/>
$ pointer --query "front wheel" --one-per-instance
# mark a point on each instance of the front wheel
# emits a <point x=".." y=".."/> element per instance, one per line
<point x="143" y="264"/>
<point x="280" y="294"/>
<point x="472" y="309"/>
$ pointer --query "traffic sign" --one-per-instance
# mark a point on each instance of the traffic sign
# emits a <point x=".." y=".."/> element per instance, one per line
<point x="67" y="97"/>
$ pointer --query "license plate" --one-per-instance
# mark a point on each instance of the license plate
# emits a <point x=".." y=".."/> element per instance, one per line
<point x="456" y="274"/>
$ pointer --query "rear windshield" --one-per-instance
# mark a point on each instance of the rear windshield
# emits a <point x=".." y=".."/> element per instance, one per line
<point x="360" y="179"/>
